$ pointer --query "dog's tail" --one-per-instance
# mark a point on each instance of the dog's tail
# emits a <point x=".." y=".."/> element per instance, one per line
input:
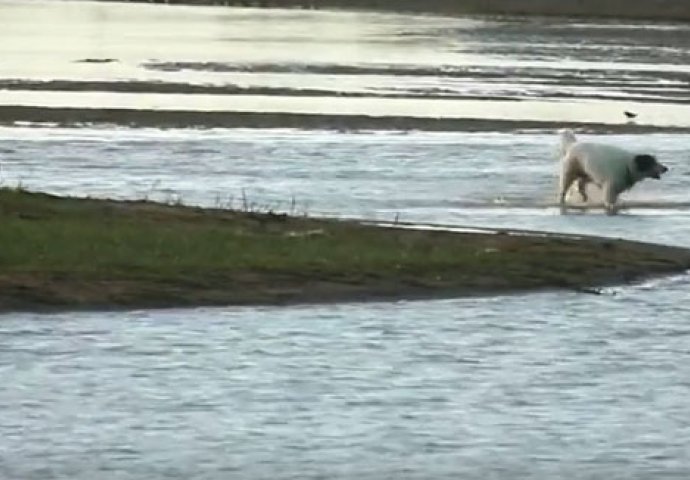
<point x="567" y="139"/>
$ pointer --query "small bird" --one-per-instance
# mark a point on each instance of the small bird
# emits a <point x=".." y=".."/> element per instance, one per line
<point x="630" y="114"/>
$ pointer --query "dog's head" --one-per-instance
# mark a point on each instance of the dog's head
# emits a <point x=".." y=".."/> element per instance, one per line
<point x="648" y="166"/>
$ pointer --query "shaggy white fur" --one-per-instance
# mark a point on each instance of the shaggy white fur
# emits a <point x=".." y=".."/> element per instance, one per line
<point x="613" y="169"/>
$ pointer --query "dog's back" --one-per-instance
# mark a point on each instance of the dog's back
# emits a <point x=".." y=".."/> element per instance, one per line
<point x="593" y="152"/>
<point x="600" y="162"/>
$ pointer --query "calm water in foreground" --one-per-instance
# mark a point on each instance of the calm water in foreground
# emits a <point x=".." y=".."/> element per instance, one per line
<point x="538" y="386"/>
<point x="543" y="386"/>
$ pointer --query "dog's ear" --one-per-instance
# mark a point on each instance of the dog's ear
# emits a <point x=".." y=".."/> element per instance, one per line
<point x="644" y="162"/>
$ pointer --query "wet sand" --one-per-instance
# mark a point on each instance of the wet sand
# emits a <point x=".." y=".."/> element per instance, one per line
<point x="13" y="115"/>
<point x="675" y="10"/>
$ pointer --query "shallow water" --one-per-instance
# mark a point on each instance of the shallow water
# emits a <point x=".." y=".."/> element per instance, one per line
<point x="542" y="386"/>
<point x="484" y="179"/>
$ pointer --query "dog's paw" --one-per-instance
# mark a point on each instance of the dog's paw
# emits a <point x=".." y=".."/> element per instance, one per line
<point x="611" y="210"/>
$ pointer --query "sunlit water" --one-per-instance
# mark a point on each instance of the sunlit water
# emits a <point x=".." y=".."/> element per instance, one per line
<point x="543" y="386"/>
<point x="427" y="66"/>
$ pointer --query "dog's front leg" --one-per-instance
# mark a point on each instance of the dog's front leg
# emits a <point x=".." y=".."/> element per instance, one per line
<point x="561" y="203"/>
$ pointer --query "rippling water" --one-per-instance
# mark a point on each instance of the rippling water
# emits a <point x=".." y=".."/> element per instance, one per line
<point x="487" y="179"/>
<point x="541" y="386"/>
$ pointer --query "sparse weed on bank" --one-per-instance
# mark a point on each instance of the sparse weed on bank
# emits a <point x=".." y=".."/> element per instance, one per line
<point x="60" y="252"/>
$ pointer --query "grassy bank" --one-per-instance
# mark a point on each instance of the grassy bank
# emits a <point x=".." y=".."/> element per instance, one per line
<point x="67" y="253"/>
<point x="675" y="10"/>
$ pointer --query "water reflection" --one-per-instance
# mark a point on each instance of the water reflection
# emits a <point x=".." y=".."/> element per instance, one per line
<point x="432" y="58"/>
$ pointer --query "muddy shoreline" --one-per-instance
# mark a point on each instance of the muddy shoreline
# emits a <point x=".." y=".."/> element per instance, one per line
<point x="665" y="10"/>
<point x="74" y="117"/>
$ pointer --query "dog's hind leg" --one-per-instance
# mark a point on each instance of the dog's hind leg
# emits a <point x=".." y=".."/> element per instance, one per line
<point x="610" y="198"/>
<point x="582" y="188"/>
<point x="568" y="176"/>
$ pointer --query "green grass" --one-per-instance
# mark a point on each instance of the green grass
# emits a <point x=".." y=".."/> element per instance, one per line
<point x="82" y="253"/>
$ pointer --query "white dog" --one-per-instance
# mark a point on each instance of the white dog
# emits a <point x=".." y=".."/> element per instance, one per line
<point x="613" y="169"/>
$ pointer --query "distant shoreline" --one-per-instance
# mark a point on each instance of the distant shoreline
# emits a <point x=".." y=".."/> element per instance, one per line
<point x="660" y="10"/>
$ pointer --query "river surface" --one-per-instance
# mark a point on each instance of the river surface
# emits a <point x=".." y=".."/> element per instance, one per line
<point x="541" y="386"/>
<point x="307" y="61"/>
